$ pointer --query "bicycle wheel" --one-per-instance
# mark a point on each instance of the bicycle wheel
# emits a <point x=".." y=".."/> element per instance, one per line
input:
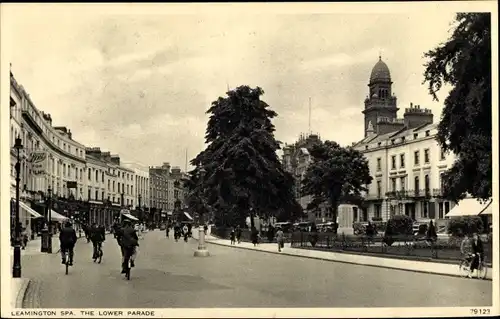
<point x="481" y="271"/>
<point x="100" y="255"/>
<point x="463" y="268"/>
<point x="127" y="274"/>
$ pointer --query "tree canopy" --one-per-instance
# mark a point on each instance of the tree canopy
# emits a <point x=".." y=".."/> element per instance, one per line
<point x="242" y="169"/>
<point x="464" y="62"/>
<point x="335" y="174"/>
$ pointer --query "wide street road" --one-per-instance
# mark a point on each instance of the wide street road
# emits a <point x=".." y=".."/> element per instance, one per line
<point x="167" y="275"/>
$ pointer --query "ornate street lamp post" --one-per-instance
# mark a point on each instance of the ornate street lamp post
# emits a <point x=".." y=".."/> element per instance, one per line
<point x="49" y="215"/>
<point x="202" y="250"/>
<point x="16" y="268"/>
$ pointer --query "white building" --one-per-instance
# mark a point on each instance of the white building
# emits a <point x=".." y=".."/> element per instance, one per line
<point x="404" y="157"/>
<point x="141" y="193"/>
<point x="406" y="167"/>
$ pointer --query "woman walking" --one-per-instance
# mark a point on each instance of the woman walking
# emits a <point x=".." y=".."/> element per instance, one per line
<point x="280" y="239"/>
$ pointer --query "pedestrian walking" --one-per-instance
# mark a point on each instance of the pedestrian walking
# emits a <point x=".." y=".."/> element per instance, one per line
<point x="233" y="236"/>
<point x="255" y="236"/>
<point x="280" y="239"/>
<point x="238" y="234"/>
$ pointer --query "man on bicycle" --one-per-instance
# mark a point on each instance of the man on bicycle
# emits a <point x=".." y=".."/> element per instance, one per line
<point x="67" y="239"/>
<point x="97" y="236"/>
<point x="128" y="242"/>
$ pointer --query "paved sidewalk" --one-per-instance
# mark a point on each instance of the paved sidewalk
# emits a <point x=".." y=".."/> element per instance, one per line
<point x="410" y="265"/>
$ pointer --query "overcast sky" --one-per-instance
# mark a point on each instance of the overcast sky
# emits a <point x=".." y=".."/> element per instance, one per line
<point x="138" y="85"/>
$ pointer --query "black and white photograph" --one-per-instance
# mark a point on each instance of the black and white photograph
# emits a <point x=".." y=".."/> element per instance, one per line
<point x="249" y="159"/>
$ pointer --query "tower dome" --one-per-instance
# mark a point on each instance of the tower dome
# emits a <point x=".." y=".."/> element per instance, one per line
<point x="380" y="72"/>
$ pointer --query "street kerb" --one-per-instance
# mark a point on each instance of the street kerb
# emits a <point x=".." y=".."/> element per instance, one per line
<point x="284" y="252"/>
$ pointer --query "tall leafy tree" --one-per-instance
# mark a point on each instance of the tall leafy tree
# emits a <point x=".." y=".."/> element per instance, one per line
<point x="335" y="173"/>
<point x="464" y="62"/>
<point x="243" y="172"/>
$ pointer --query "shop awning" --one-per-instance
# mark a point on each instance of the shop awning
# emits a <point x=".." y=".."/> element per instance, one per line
<point x="469" y="207"/>
<point x="129" y="216"/>
<point x="188" y="216"/>
<point x="57" y="217"/>
<point x="488" y="210"/>
<point x="28" y="209"/>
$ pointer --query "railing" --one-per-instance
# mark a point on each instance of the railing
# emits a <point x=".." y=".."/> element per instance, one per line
<point x="246" y="235"/>
<point x="408" y="247"/>
<point x="414" y="193"/>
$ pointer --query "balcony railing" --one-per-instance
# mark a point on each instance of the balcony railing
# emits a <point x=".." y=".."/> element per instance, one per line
<point x="414" y="193"/>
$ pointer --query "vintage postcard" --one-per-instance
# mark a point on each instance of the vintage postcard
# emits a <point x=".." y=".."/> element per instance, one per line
<point x="249" y="160"/>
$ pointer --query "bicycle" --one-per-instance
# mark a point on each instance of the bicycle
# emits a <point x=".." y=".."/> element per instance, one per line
<point x="66" y="260"/>
<point x="128" y="261"/>
<point x="465" y="263"/>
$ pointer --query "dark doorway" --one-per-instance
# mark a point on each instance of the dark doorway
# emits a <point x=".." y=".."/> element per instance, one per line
<point x="410" y="210"/>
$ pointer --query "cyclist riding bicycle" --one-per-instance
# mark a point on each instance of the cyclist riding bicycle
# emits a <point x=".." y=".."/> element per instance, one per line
<point x="97" y="236"/>
<point x="128" y="243"/>
<point x="67" y="239"/>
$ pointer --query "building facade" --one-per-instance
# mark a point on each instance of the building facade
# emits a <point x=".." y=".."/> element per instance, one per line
<point x="295" y="160"/>
<point x="50" y="157"/>
<point x="166" y="188"/>
<point x="404" y="158"/>
<point x="85" y="183"/>
<point x="142" y="188"/>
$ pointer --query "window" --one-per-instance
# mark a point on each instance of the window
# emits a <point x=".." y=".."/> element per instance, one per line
<point x="88" y="194"/>
<point x="119" y="187"/>
<point x="366" y="147"/>
<point x="103" y="176"/>
<point x="379" y="189"/>
<point x="96" y="195"/>
<point x="379" y="144"/>
<point x="403" y="182"/>
<point x="97" y="175"/>
<point x="378" y="209"/>
<point x="132" y="190"/>
<point x="425" y="209"/>
<point x="443" y="155"/>
<point x="441" y="210"/>
<point x="427" y="133"/>
<point x="403" y="139"/>
<point x="64" y="170"/>
<point x="446" y="208"/>
<point x="417" y="184"/>
<point x="416" y="157"/>
<point x="90" y="178"/>
<point x="102" y="195"/>
<point x="402" y="160"/>
<point x="393" y="183"/>
<point x="393" y="141"/>
<point x="427" y="184"/>
<point x="393" y="161"/>
<point x="109" y="184"/>
<point x="379" y="164"/>
<point x="113" y="186"/>
<point x="81" y="174"/>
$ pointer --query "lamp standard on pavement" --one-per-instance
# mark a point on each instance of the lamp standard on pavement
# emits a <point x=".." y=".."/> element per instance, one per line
<point x="16" y="267"/>
<point x="202" y="251"/>
<point x="49" y="214"/>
